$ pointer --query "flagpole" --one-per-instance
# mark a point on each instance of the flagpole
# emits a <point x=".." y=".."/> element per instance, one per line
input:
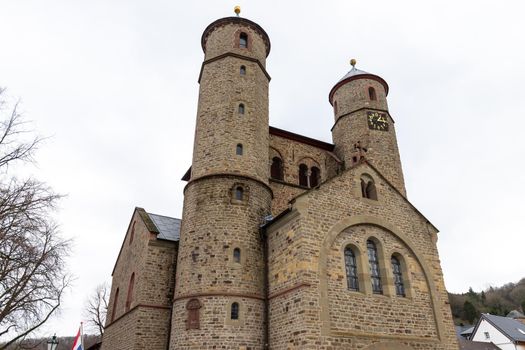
<point x="82" y="335"/>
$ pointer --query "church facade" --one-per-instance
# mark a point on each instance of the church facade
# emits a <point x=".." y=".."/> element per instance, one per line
<point x="285" y="242"/>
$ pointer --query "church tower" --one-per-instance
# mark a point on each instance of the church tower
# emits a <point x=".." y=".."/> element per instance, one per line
<point x="219" y="294"/>
<point x="363" y="126"/>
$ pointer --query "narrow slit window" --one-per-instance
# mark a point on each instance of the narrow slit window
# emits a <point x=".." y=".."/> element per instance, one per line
<point x="237" y="255"/>
<point x="238" y="150"/>
<point x="129" y="298"/>
<point x="239" y="195"/>
<point x="115" y="303"/>
<point x="398" y="276"/>
<point x="241" y="108"/>
<point x="372" y="94"/>
<point x="243" y="70"/>
<point x="374" y="267"/>
<point x="335" y="107"/>
<point x="234" y="312"/>
<point x="243" y="40"/>
<point x="351" y="270"/>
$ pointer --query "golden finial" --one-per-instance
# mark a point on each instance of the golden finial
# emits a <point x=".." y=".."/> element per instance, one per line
<point x="353" y="62"/>
<point x="237" y="10"/>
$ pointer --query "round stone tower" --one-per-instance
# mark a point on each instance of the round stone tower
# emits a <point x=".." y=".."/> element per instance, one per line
<point x="363" y="126"/>
<point x="219" y="294"/>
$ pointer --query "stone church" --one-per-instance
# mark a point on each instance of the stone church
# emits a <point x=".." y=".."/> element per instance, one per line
<point x="285" y="242"/>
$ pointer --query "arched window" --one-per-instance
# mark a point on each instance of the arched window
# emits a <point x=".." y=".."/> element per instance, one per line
<point x="237" y="255"/>
<point x="115" y="303"/>
<point x="241" y="108"/>
<point x="368" y="188"/>
<point x="335" y="107"/>
<point x="238" y="149"/>
<point x="243" y="40"/>
<point x="243" y="70"/>
<point x="351" y="269"/>
<point x="303" y="175"/>
<point x="276" y="170"/>
<point x="130" y="291"/>
<point x="374" y="267"/>
<point x="193" y="307"/>
<point x="398" y="276"/>
<point x="315" y="176"/>
<point x="372" y="94"/>
<point x="132" y="233"/>
<point x="239" y="194"/>
<point x="234" y="314"/>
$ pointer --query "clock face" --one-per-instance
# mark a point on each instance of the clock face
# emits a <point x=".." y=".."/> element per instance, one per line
<point x="377" y="121"/>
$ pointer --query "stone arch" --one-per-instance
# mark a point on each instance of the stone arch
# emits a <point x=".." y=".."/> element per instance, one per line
<point x="327" y="243"/>
<point x="308" y="161"/>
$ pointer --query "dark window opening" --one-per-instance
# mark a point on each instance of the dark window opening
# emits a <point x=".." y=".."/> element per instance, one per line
<point x="374" y="267"/>
<point x="335" y="107"/>
<point x="276" y="170"/>
<point x="303" y="175"/>
<point x="243" y="70"/>
<point x="238" y="150"/>
<point x="234" y="314"/>
<point x="237" y="255"/>
<point x="241" y="108"/>
<point x="239" y="194"/>
<point x="351" y="270"/>
<point x="243" y="40"/>
<point x="398" y="276"/>
<point x="315" y="176"/>
<point x="372" y="94"/>
<point x="368" y="189"/>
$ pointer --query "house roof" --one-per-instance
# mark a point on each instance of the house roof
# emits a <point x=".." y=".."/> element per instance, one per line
<point x="513" y="329"/>
<point x="467" y="331"/>
<point x="515" y="314"/>
<point x="475" y="345"/>
<point x="168" y="227"/>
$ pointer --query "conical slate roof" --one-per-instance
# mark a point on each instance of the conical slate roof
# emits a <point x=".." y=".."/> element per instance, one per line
<point x="353" y="72"/>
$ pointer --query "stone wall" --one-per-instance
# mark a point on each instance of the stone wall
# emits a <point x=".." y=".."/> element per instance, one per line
<point x="307" y="267"/>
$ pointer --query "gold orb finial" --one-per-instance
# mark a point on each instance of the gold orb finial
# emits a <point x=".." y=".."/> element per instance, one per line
<point x="353" y="62"/>
<point x="237" y="10"/>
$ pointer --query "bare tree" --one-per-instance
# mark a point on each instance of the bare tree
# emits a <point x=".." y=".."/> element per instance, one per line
<point x="97" y="308"/>
<point x="33" y="276"/>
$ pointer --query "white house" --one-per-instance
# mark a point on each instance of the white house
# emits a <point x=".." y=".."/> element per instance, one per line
<point x="506" y="333"/>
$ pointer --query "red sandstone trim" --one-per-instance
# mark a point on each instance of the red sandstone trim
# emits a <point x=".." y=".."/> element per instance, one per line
<point x="360" y="109"/>
<point x="204" y="177"/>
<point x="300" y="138"/>
<point x="291" y="289"/>
<point x="220" y="294"/>
<point x="149" y="306"/>
<point x="355" y="77"/>
<point x="235" y="20"/>
<point x="236" y="55"/>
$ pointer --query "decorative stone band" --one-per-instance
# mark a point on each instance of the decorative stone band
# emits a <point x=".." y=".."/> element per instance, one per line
<point x="236" y="55"/>
<point x="147" y="306"/>
<point x="288" y="290"/>
<point x="360" y="109"/>
<point x="242" y="295"/>
<point x="228" y="175"/>
<point x="219" y="294"/>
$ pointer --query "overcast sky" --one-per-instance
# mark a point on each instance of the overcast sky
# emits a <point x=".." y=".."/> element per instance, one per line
<point x="115" y="85"/>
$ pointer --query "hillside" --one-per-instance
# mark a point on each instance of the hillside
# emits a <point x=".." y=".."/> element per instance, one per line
<point x="467" y="307"/>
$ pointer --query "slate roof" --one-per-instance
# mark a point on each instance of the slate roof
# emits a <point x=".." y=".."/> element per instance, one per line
<point x="168" y="227"/>
<point x="354" y="71"/>
<point x="513" y="329"/>
<point x="475" y="345"/>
